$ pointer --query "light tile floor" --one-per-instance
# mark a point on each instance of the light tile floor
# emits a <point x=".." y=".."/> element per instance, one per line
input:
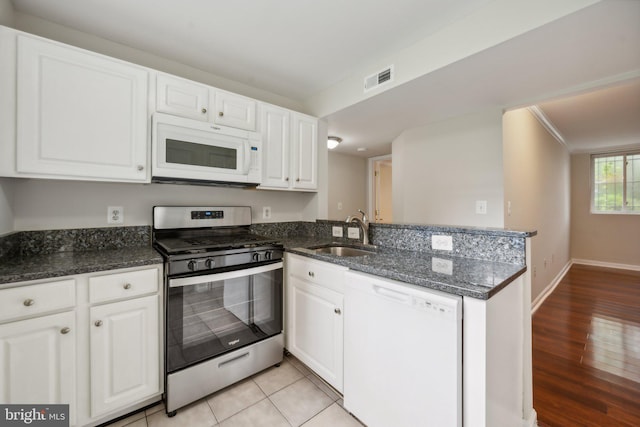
<point x="289" y="395"/>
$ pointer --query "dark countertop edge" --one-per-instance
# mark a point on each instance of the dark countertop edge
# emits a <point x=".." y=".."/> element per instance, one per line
<point x="453" y="287"/>
<point x="450" y="229"/>
<point x="152" y="259"/>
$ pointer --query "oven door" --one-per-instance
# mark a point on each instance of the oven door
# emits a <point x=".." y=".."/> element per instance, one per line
<point x="213" y="314"/>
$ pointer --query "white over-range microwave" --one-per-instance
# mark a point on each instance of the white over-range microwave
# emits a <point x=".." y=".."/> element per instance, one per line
<point x="190" y="151"/>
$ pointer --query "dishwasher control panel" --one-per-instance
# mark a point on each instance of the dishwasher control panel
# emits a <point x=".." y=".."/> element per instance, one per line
<point x="435" y="308"/>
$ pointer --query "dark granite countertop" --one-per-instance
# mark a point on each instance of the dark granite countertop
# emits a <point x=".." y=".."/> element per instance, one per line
<point x="44" y="266"/>
<point x="455" y="275"/>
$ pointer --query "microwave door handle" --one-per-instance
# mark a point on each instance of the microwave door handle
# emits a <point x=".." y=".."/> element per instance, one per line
<point x="247" y="157"/>
<point x="195" y="280"/>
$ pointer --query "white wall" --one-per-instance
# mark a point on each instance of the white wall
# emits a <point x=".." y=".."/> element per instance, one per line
<point x="537" y="183"/>
<point x="605" y="238"/>
<point x="48" y="29"/>
<point x="6" y="13"/>
<point x="6" y="205"/>
<point x="347" y="185"/>
<point x="442" y="169"/>
<point x="51" y="204"/>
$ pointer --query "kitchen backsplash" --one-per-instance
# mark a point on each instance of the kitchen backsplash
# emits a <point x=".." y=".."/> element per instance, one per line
<point x="26" y="243"/>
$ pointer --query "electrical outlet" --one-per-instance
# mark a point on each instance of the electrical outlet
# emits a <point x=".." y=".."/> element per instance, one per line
<point x="481" y="207"/>
<point x="266" y="212"/>
<point x="339" y="206"/>
<point x="442" y="243"/>
<point x="336" y="231"/>
<point x="115" y="215"/>
<point x="443" y="266"/>
<point x="353" y="232"/>
<point x="509" y="208"/>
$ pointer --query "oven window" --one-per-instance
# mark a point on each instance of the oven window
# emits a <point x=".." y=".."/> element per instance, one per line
<point x="211" y="318"/>
<point x="189" y="153"/>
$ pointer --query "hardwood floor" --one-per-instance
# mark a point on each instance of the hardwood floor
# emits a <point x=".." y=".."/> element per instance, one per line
<point x="586" y="350"/>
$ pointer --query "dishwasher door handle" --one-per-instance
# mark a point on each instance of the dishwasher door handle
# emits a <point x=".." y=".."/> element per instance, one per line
<point x="394" y="295"/>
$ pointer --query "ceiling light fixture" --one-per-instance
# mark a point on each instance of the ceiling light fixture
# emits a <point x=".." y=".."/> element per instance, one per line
<point x="333" y="141"/>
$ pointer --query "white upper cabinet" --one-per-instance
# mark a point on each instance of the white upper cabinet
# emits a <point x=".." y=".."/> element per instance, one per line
<point x="182" y="97"/>
<point x="276" y="143"/>
<point x="79" y="115"/>
<point x="290" y="141"/>
<point x="186" y="98"/>
<point x="235" y="111"/>
<point x="304" y="164"/>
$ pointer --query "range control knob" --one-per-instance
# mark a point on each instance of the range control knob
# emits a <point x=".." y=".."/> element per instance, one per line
<point x="210" y="263"/>
<point x="256" y="256"/>
<point x="192" y="265"/>
<point x="268" y="255"/>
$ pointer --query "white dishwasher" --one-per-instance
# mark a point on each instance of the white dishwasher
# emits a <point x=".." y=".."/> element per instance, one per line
<point x="402" y="353"/>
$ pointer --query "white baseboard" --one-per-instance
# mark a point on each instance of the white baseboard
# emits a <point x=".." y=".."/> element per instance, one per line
<point x="606" y="264"/>
<point x="550" y="288"/>
<point x="532" y="421"/>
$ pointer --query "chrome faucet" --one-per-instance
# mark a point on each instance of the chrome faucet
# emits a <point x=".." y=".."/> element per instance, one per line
<point x="362" y="223"/>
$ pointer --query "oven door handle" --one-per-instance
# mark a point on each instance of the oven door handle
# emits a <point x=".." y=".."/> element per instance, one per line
<point x="194" y="280"/>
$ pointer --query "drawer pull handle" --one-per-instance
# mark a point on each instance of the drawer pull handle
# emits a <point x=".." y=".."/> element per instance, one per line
<point x="204" y="110"/>
<point x="98" y="323"/>
<point x="337" y="310"/>
<point x="127" y="286"/>
<point x="65" y="331"/>
<point x="312" y="274"/>
<point x="29" y="302"/>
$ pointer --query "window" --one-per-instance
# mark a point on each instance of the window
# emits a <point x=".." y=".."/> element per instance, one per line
<point x="615" y="183"/>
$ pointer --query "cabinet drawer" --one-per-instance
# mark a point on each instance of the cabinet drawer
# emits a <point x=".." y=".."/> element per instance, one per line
<point x="29" y="300"/>
<point x="123" y="285"/>
<point x="321" y="273"/>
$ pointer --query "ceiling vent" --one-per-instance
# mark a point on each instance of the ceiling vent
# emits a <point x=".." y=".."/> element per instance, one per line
<point x="378" y="79"/>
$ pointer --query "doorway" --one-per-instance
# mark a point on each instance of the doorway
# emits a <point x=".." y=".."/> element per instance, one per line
<point x="380" y="189"/>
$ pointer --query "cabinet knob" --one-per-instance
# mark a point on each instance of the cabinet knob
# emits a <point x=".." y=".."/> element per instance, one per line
<point x="65" y="331"/>
<point x="127" y="286"/>
<point x="286" y="179"/>
<point x="221" y="113"/>
<point x="140" y="167"/>
<point x="98" y="323"/>
<point x="337" y="311"/>
<point x="29" y="302"/>
<point x="204" y="111"/>
<point x="297" y="179"/>
<point x="312" y="274"/>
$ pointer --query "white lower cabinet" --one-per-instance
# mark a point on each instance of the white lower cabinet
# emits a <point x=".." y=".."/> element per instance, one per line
<point x="38" y="360"/>
<point x="101" y="358"/>
<point x="314" y="316"/>
<point x="125" y="357"/>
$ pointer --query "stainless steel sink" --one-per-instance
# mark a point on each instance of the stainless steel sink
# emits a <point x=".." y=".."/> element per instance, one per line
<point x="342" y="251"/>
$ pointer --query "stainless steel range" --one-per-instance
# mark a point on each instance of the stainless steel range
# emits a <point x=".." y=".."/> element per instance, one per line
<point x="223" y="299"/>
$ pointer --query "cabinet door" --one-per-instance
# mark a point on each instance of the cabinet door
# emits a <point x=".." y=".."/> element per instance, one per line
<point x="276" y="146"/>
<point x="80" y="115"/>
<point x="304" y="165"/>
<point x="182" y="97"/>
<point x="316" y="329"/>
<point x="235" y="111"/>
<point x="38" y="361"/>
<point x="125" y="354"/>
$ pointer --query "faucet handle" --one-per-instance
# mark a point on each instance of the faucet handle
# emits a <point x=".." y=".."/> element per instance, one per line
<point x="364" y="216"/>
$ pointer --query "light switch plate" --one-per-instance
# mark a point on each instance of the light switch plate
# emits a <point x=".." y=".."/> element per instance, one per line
<point x="353" y="232"/>
<point x="481" y="207"/>
<point x="336" y="231"/>
<point x="441" y="243"/>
